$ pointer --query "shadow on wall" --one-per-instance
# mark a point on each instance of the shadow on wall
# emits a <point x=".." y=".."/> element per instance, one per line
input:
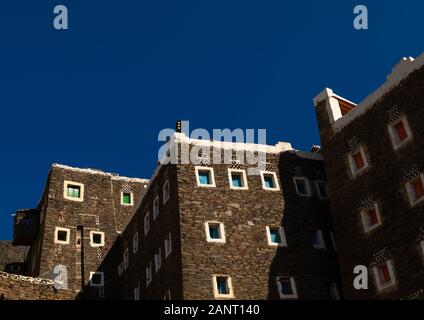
<point x="299" y="270"/>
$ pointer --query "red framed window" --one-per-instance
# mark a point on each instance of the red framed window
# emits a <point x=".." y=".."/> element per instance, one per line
<point x="359" y="160"/>
<point x="373" y="217"/>
<point x="384" y="273"/>
<point x="401" y="131"/>
<point x="418" y="188"/>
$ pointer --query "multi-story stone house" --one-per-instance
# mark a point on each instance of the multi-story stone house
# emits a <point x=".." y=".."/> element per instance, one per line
<point x="374" y="161"/>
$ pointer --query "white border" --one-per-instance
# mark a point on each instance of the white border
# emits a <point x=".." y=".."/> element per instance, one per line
<point x="96" y="245"/>
<point x="321" y="245"/>
<point x="168" y="238"/>
<point x="146" y="225"/>
<point x="293" y="286"/>
<point x="216" y="293"/>
<point x="158" y="260"/>
<point x="168" y="194"/>
<point x="135" y="242"/>
<point x="364" y="218"/>
<point x="352" y="163"/>
<point x="149" y="274"/>
<point x="126" y="258"/>
<point x="221" y="232"/>
<point x="131" y="198"/>
<point x="283" y="239"/>
<point x="274" y="175"/>
<point x="212" y="177"/>
<point x="102" y="279"/>
<point x="380" y="286"/>
<point x="156" y="208"/>
<point x="68" y="235"/>
<point x="66" y="183"/>
<point x="411" y="192"/>
<point x="394" y="136"/>
<point x="317" y="182"/>
<point x="307" y="186"/>
<point x="244" y="178"/>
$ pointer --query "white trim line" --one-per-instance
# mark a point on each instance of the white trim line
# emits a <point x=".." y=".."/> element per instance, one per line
<point x="293" y="287"/>
<point x="216" y="293"/>
<point x="211" y="176"/>
<point x="221" y="229"/>
<point x="102" y="279"/>
<point x="96" y="245"/>
<point x="381" y="286"/>
<point x="243" y="177"/>
<point x="282" y="234"/>
<point x="275" y="179"/>
<point x="307" y="186"/>
<point x="68" y="235"/>
<point x="67" y="183"/>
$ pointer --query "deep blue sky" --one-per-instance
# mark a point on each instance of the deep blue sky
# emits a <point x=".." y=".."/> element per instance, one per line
<point x="98" y="94"/>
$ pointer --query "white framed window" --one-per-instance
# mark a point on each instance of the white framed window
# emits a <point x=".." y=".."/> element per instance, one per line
<point x="120" y="269"/>
<point x="287" y="287"/>
<point x="269" y="181"/>
<point x="146" y="223"/>
<point x="384" y="275"/>
<point x="127" y="198"/>
<point x="73" y="191"/>
<point x="96" y="279"/>
<point x="302" y="186"/>
<point x="371" y="218"/>
<point x="205" y="177"/>
<point x="415" y="190"/>
<point x="358" y="161"/>
<point x="149" y="273"/>
<point x="97" y="239"/>
<point x="167" y="295"/>
<point x="215" y="232"/>
<point x="166" y="192"/>
<point x="168" y="245"/>
<point x="135" y="242"/>
<point x="399" y="132"/>
<point x="158" y="260"/>
<point x="276" y="236"/>
<point x="126" y="258"/>
<point x="137" y="292"/>
<point x="333" y="291"/>
<point x="222" y="287"/>
<point x="62" y="235"/>
<point x="322" y="189"/>
<point x="318" y="240"/>
<point x="238" y="179"/>
<point x="155" y="208"/>
<point x="333" y="240"/>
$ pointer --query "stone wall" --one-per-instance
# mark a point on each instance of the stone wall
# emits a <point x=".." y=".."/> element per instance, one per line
<point x="10" y="254"/>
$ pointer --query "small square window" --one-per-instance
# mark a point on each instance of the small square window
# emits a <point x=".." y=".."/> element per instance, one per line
<point x="158" y="260"/>
<point x="322" y="189"/>
<point x="415" y="189"/>
<point x="135" y="242"/>
<point x="127" y="198"/>
<point x="276" y="237"/>
<point x="318" y="240"/>
<point x="205" y="177"/>
<point x="62" y="235"/>
<point x="399" y="132"/>
<point x="73" y="191"/>
<point x="222" y="287"/>
<point x="146" y="223"/>
<point x="238" y="180"/>
<point x="215" y="232"/>
<point x="166" y="192"/>
<point x="96" y="279"/>
<point x="302" y="186"/>
<point x="126" y="259"/>
<point x="269" y="181"/>
<point x="358" y="161"/>
<point x="371" y="218"/>
<point x="384" y="275"/>
<point x="155" y="208"/>
<point x="97" y="239"/>
<point x="168" y="245"/>
<point x="287" y="287"/>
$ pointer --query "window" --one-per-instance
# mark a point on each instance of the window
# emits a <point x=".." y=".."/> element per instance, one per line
<point x="269" y="181"/>
<point x="96" y="279"/>
<point x="205" y="177"/>
<point x="146" y="223"/>
<point x="135" y="242"/>
<point x="62" y="235"/>
<point x="318" y="240"/>
<point x="399" y="132"/>
<point x="168" y="245"/>
<point x="126" y="259"/>
<point x="155" y="208"/>
<point x="333" y="241"/>
<point x="137" y="292"/>
<point x="222" y="287"/>
<point x="167" y="295"/>
<point x="73" y="191"/>
<point x="127" y="198"/>
<point x="149" y="273"/>
<point x="333" y="291"/>
<point x="322" y="189"/>
<point x="120" y="269"/>
<point x="97" y="239"/>
<point x="415" y="190"/>
<point x="302" y="186"/>
<point x="422" y="247"/>
<point x="358" y="161"/>
<point x="384" y="275"/>
<point x="215" y="232"/>
<point x="276" y="237"/>
<point x="166" y="192"/>
<point x="371" y="218"/>
<point x="15" y="268"/>
<point x="158" y="260"/>
<point x="238" y="180"/>
<point x="287" y="287"/>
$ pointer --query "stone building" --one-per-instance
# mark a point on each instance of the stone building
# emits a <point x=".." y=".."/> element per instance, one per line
<point x="374" y="161"/>
<point x="212" y="231"/>
<point x="79" y="217"/>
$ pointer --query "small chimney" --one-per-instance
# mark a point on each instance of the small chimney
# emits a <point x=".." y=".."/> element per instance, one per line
<point x="315" y="149"/>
